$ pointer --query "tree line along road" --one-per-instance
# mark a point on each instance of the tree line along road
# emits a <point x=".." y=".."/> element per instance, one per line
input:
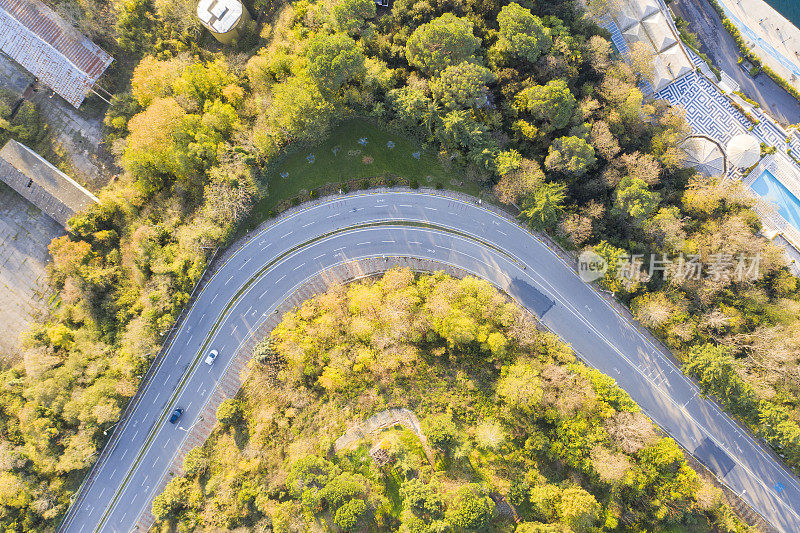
<point x="276" y="260"/>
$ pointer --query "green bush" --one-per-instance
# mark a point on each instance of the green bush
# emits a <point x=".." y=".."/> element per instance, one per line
<point x="441" y="432"/>
<point x="229" y="412"/>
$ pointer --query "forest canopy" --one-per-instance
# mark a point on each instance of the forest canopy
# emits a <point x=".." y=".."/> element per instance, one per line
<point x="527" y="100"/>
<point x="516" y="435"/>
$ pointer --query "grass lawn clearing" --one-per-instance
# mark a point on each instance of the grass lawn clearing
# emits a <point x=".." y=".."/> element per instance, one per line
<point x="357" y="149"/>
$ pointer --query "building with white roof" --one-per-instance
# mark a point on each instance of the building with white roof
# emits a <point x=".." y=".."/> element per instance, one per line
<point x="43" y="43"/>
<point x="644" y="21"/>
<point x="227" y="20"/>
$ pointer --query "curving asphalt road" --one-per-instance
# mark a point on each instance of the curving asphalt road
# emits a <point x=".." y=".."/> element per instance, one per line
<point x="274" y="262"/>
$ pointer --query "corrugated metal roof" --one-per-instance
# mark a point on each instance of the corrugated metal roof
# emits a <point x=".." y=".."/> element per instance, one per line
<point x="42" y="184"/>
<point x="49" y="48"/>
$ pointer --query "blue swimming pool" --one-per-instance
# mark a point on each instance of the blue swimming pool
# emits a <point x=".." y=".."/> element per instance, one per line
<point x="767" y="186"/>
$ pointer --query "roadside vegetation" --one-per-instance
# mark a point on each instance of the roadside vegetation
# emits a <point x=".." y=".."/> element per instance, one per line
<point x="525" y="100"/>
<point x="513" y="426"/>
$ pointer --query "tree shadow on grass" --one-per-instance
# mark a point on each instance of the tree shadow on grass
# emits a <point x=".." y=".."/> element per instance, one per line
<point x="241" y="435"/>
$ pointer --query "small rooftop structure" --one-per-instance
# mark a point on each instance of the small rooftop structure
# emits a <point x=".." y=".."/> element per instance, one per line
<point x="225" y="19"/>
<point x="659" y="32"/>
<point x="34" y="36"/>
<point x="744" y="151"/>
<point x="42" y="184"/>
<point x="644" y="21"/>
<point x="703" y="154"/>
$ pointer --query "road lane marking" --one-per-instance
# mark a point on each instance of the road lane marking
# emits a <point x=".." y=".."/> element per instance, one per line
<point x="229" y="280"/>
<point x="298" y="266"/>
<point x="625" y="321"/>
<point x="319" y="256"/>
<point x="280" y="278"/>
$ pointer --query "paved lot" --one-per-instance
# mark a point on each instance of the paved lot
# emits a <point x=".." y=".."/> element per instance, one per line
<point x="76" y="134"/>
<point x="718" y="44"/>
<point x="243" y="294"/>
<point x="25" y="233"/>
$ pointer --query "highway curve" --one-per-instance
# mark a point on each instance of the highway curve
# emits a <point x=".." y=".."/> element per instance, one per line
<point x="278" y="259"/>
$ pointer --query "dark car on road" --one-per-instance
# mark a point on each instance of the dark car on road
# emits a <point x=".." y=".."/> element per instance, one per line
<point x="176" y="414"/>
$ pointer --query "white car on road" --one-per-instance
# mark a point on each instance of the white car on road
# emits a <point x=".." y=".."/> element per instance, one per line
<point x="211" y="357"/>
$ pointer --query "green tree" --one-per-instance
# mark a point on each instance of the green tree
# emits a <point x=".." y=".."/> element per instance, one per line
<point x="229" y="412"/>
<point x="350" y="514"/>
<point x="571" y="155"/>
<point x="422" y="499"/>
<point x="634" y="198"/>
<point x="538" y="527"/>
<point x="264" y="352"/>
<point x="578" y="509"/>
<point x="522" y="33"/>
<point x="715" y="367"/>
<point x="172" y="499"/>
<point x="545" y="206"/>
<point x="349" y="16"/>
<point x="545" y="500"/>
<point x="196" y="462"/>
<point x="444" y="41"/>
<point x="552" y="103"/>
<point x="342" y="489"/>
<point x="154" y="153"/>
<point x="412" y="105"/>
<point x="520" y="387"/>
<point x="298" y="111"/>
<point x="334" y="60"/>
<point x="137" y="25"/>
<point x="204" y="82"/>
<point x="472" y="510"/>
<point x="441" y="431"/>
<point x="518" y="178"/>
<point x="310" y="472"/>
<point x="459" y="129"/>
<point x="613" y="257"/>
<point x="462" y="85"/>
